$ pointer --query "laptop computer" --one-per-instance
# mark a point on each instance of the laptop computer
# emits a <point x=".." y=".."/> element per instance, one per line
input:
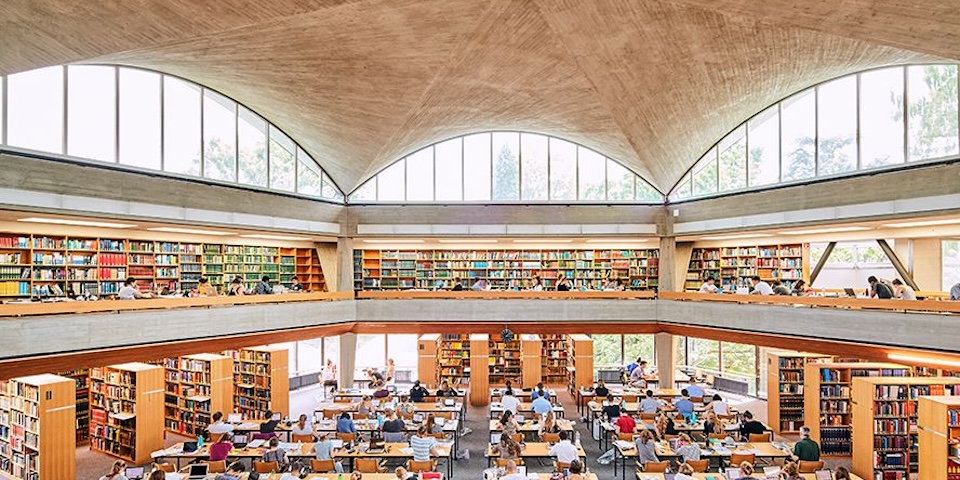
<point x="239" y="441"/>
<point x="235" y="418"/>
<point x="449" y="402"/>
<point x="850" y="293"/>
<point x="133" y="473"/>
<point x="495" y="438"/>
<point x="519" y="418"/>
<point x="733" y="473"/>
<point x="189" y="447"/>
<point x="522" y="470"/>
<point x="198" y="471"/>
<point x="417" y="418"/>
<point x="824" y="474"/>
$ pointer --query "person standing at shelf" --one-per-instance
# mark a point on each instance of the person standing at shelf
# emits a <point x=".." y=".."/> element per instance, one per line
<point x="563" y="283"/>
<point x="806" y="449"/>
<point x="236" y="287"/>
<point x="263" y="286"/>
<point x="457" y="285"/>
<point x="879" y="288"/>
<point x="204" y="289"/>
<point x="902" y="291"/>
<point x="129" y="291"/>
<point x="709" y="286"/>
<point x="760" y="287"/>
<point x="295" y="284"/>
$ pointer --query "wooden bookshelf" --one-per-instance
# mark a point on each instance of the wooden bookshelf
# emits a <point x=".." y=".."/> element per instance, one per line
<point x="427" y="360"/>
<point x="939" y="448"/>
<point x="82" y="379"/>
<point x="195" y="387"/>
<point x="56" y="266"/>
<point x="553" y="359"/>
<point x="733" y="266"/>
<point x="453" y="359"/>
<point x="531" y="363"/>
<point x="827" y="396"/>
<point x="504" y="361"/>
<point x="579" y="362"/>
<point x="479" y="377"/>
<point x="502" y="269"/>
<point x="261" y="381"/>
<point x="37" y="434"/>
<point x="126" y="410"/>
<point x="785" y="387"/>
<point x="885" y="423"/>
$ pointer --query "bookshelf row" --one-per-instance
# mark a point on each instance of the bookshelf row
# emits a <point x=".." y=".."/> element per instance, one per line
<point x="43" y="265"/>
<point x="785" y="388"/>
<point x="939" y="437"/>
<point x="503" y="269"/>
<point x="525" y="361"/>
<point x="733" y="266"/>
<point x="37" y="427"/>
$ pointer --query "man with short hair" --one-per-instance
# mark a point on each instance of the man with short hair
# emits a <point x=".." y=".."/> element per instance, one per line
<point x="263" y="286"/>
<point x="879" y="288"/>
<point x="684" y="406"/>
<point x="611" y="409"/>
<point x="760" y="287"/>
<point x="541" y="406"/>
<point x="750" y="426"/>
<point x="565" y="451"/>
<point x="637" y="376"/>
<point x="510" y="402"/>
<point x="626" y="423"/>
<point x="709" y="286"/>
<point x="650" y="404"/>
<point x="219" y="426"/>
<point x="510" y="472"/>
<point x="695" y="390"/>
<point x="539" y="392"/>
<point x="806" y="449"/>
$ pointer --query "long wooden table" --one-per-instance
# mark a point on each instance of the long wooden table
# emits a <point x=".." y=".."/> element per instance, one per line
<point x="496" y="410"/>
<point x="530" y="450"/>
<point x="496" y="393"/>
<point x="608" y="428"/>
<point x="761" y="450"/>
<point x="422" y="407"/>
<point x="532" y="427"/>
<point x="358" y="393"/>
<point x="586" y="395"/>
<point x="717" y="476"/>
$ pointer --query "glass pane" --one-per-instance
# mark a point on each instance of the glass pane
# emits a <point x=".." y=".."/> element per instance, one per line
<point x="932" y="93"/>
<point x="680" y="350"/>
<point x="638" y="346"/>
<point x="282" y="164"/>
<point x="476" y="167"/>
<point x="92" y="112"/>
<point x="646" y="192"/>
<point x="331" y="350"/>
<point x="591" y="175"/>
<point x="764" y="155"/>
<point x="705" y="174"/>
<point x="219" y="137"/>
<point x="35" y="109"/>
<point x="420" y="176"/>
<point x="140" y="118"/>
<point x="733" y="161"/>
<point x="740" y="359"/>
<point x="366" y="192"/>
<point x="533" y="158"/>
<point x="308" y="356"/>
<point x="252" y="148"/>
<point x="309" y="179"/>
<point x="506" y="166"/>
<point x="2" y="139"/>
<point x="620" y="182"/>
<point x="390" y="183"/>
<point x="371" y="353"/>
<point x="402" y="349"/>
<point x="449" y="164"/>
<point x="837" y="126"/>
<point x="684" y="189"/>
<point x="799" y="130"/>
<point x="563" y="170"/>
<point x="328" y="189"/>
<point x="606" y="351"/>
<point x="951" y="264"/>
<point x="704" y="354"/>
<point x="881" y="117"/>
<point x="181" y="126"/>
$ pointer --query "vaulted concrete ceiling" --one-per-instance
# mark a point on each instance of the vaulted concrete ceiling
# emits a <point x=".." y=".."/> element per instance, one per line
<point x="360" y="83"/>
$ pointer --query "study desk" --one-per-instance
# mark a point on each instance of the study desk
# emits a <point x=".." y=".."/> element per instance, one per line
<point x="607" y="430"/>
<point x="422" y="407"/>
<point x="521" y="393"/>
<point x="358" y="393"/>
<point x="586" y="395"/>
<point x="496" y="410"/>
<point x="369" y="426"/>
<point x="532" y="427"/>
<point x="400" y="451"/>
<point x="530" y="450"/>
<point x="316" y="476"/>
<point x="718" y="476"/>
<point x="761" y="450"/>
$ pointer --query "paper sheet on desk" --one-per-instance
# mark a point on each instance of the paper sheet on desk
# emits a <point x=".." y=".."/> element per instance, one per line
<point x="247" y="426"/>
<point x="174" y="476"/>
<point x="623" y="444"/>
<point x="406" y="451"/>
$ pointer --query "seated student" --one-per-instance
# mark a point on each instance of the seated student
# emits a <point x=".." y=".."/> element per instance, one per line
<point x="269" y="425"/>
<point x="718" y="405"/>
<point x="686" y="449"/>
<point x="709" y="286"/>
<point x="684" y="406"/>
<point x="841" y="474"/>
<point x="234" y="472"/>
<point x="750" y="426"/>
<point x="365" y="408"/>
<point x="760" y="287"/>
<point x="263" y="286"/>
<point x="446" y="391"/>
<point x="204" y="289"/>
<point x="431" y="424"/>
<point x="457" y="285"/>
<point x="541" y="405"/>
<point x="611" y="408"/>
<point x="276" y="454"/>
<point x="393" y="424"/>
<point x="508" y="448"/>
<point x="236" y="287"/>
<point x="508" y="424"/>
<point x="601" y="391"/>
<point x="423" y="445"/>
<point x="806" y="449"/>
<point x="903" y="291"/>
<point x="295" y="284"/>
<point x="713" y="424"/>
<point x="549" y="424"/>
<point x="539" y="392"/>
<point x="637" y="379"/>
<point x="381" y="391"/>
<point x="417" y="392"/>
<point x="564" y="451"/>
<point x="405" y="409"/>
<point x="780" y="289"/>
<point x="646" y="447"/>
<point x="221" y="449"/>
<point x="302" y="427"/>
<point x="799" y="288"/>
<point x="625" y="424"/>
<point x="509" y="401"/>
<point x="510" y="472"/>
<point x="879" y="288"/>
<point x="684" y="472"/>
<point x="402" y="474"/>
<point x="324" y="451"/>
<point x="746" y="471"/>
<point x="219" y="426"/>
<point x="576" y="470"/>
<point x="650" y="404"/>
<point x="116" y="471"/>
<point x="695" y="390"/>
<point x="345" y="424"/>
<point x="129" y="290"/>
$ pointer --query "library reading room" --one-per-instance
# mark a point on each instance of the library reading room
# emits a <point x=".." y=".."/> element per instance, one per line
<point x="480" y="240"/>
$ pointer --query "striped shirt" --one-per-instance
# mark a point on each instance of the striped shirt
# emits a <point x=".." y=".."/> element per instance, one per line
<point x="421" y="447"/>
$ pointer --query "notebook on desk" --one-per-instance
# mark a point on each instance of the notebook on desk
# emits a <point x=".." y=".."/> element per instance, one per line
<point x="824" y="474"/>
<point x="134" y="473"/>
<point x="239" y="441"/>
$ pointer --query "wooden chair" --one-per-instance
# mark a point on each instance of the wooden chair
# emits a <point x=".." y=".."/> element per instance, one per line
<point x="625" y="436"/>
<point x="719" y="436"/>
<point x="264" y="467"/>
<point x="696" y="399"/>
<point x="648" y="416"/>
<point x="347" y="437"/>
<point x="631" y="398"/>
<point x="368" y="465"/>
<point x="439" y="435"/>
<point x="165" y="467"/>
<point x="807" y="466"/>
<point x="216" y="466"/>
<point x="416" y="466"/>
<point x="216" y="437"/>
<point x="429" y="399"/>
<point x="655" y="467"/>
<point x="551" y="437"/>
<point x="759" y="437"/>
<point x="502" y="462"/>
<point x="560" y="466"/>
<point x="330" y="414"/>
<point x="322" y="466"/>
<point x="446" y="415"/>
<point x="302" y="438"/>
<point x="699" y="465"/>
<point x="406" y="415"/>
<point x="738" y="458"/>
<point x="517" y="437"/>
<point x="343" y="400"/>
<point x="727" y="418"/>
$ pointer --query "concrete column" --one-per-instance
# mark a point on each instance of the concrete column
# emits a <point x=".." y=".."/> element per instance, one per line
<point x="666" y="358"/>
<point x="928" y="256"/>
<point x="668" y="261"/>
<point x="345" y="264"/>
<point x="348" y="359"/>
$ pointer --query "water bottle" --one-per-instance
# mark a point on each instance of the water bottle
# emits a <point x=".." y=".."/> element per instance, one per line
<point x="576" y="438"/>
<point x="200" y="441"/>
<point x="379" y="422"/>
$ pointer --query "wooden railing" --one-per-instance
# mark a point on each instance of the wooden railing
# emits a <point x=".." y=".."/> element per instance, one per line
<point x="931" y="306"/>
<point x="506" y="295"/>
<point x="103" y="306"/>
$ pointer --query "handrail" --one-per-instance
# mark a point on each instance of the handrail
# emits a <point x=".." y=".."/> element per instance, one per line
<point x="919" y="293"/>
<point x="840" y="302"/>
<point x="102" y="306"/>
<point x="505" y="294"/>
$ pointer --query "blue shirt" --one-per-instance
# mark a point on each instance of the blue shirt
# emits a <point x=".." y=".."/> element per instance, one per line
<point x="535" y="394"/>
<point x="695" y="391"/>
<point x="541" y="406"/>
<point x="684" y="406"/>
<point x="345" y="425"/>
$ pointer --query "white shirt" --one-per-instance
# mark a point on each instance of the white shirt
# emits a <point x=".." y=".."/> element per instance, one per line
<point x="707" y="288"/>
<point x="220" y="427"/>
<point x="127" y="293"/>
<point x="564" y="451"/>
<point x="514" y="476"/>
<point x="907" y="293"/>
<point x="762" y="288"/>
<point x="721" y="407"/>
<point x="307" y="429"/>
<point x="510" y="402"/>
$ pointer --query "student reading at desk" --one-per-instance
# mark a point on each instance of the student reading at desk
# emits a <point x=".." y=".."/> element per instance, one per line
<point x="263" y="286"/>
<point x="806" y="449"/>
<point x="325" y="451"/>
<point x="302" y="427"/>
<point x="234" y="472"/>
<point x="565" y="451"/>
<point x="684" y="472"/>
<point x="509" y="401"/>
<point x="423" y="445"/>
<point x="204" y="289"/>
<point x="219" y="426"/>
<point x="221" y="449"/>
<point x="611" y="408"/>
<point x="508" y="424"/>
<point x="236" y="287"/>
<point x="625" y="424"/>
<point x="684" y="406"/>
<point x="276" y="454"/>
<point x="750" y="426"/>
<point x="508" y="448"/>
<point x="686" y="448"/>
<point x="418" y="392"/>
<point x="601" y="391"/>
<point x="646" y="447"/>
<point x="129" y="290"/>
<point x="650" y="404"/>
<point x="295" y="284"/>
<point x="269" y="425"/>
<point x="709" y="286"/>
<point x="116" y="472"/>
<point x="510" y="472"/>
<point x="539" y="392"/>
<point x="541" y="406"/>
<point x="345" y="424"/>
<point x="446" y="391"/>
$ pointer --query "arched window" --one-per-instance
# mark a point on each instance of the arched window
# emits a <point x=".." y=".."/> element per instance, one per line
<point x="147" y="120"/>
<point x="881" y="118"/>
<point x="506" y="167"/>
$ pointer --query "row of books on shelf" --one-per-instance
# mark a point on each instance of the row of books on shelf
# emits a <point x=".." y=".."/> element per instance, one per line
<point x="508" y="254"/>
<point x="902" y="392"/>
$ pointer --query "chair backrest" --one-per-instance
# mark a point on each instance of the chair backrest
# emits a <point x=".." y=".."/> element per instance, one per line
<point x="322" y="466"/>
<point x="216" y="437"/>
<point x="502" y="462"/>
<point x="264" y="436"/>
<point x="631" y="398"/>
<point x="347" y="437"/>
<point x="517" y="437"/>
<point x="551" y="437"/>
<point x="625" y="436"/>
<point x="406" y="415"/>
<point x="343" y="400"/>
<point x="726" y="418"/>
<point x="562" y="465"/>
<point x="330" y="414"/>
<point x="264" y="467"/>
<point x="394" y="437"/>
<point x="720" y="436"/>
<point x="807" y="466"/>
<point x="699" y="465"/>
<point x="696" y="399"/>
<point x="759" y="437"/>
<point x="446" y="415"/>
<point x="429" y="399"/>
<point x="166" y="467"/>
<point x="417" y="466"/>
<point x="302" y="438"/>
<point x="367" y="465"/>
<point x="648" y="416"/>
<point x="438" y="435"/>
<point x="738" y="458"/>
<point x="655" y="467"/>
<point x="216" y="466"/>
